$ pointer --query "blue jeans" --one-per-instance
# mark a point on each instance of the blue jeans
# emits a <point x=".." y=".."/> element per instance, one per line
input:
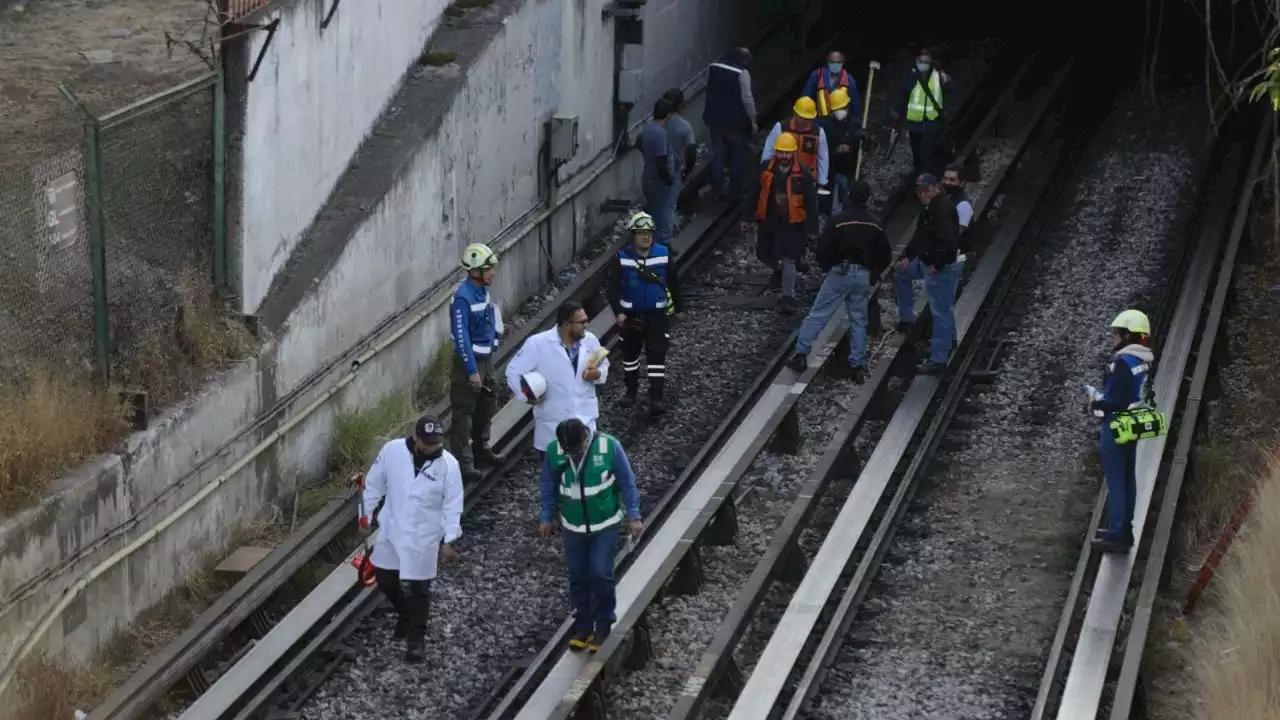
<point x="590" y="563"/>
<point x="853" y="288"/>
<point x="660" y="202"/>
<point x="841" y="183"/>
<point x="728" y="148"/>
<point x="941" y="290"/>
<point x="1120" y="467"/>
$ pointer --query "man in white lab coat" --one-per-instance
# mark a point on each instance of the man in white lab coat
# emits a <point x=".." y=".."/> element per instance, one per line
<point x="417" y="526"/>
<point x="563" y="356"/>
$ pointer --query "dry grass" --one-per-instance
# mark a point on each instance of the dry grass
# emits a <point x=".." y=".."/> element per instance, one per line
<point x="50" y="422"/>
<point x="46" y="689"/>
<point x="1240" y="665"/>
<point x="207" y="339"/>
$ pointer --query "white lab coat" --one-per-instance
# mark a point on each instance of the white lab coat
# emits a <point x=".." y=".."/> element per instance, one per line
<point x="568" y="395"/>
<point x="421" y="510"/>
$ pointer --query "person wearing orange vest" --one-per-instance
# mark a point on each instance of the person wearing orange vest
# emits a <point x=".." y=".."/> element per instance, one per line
<point x="783" y="201"/>
<point x="811" y="137"/>
<point x="825" y="80"/>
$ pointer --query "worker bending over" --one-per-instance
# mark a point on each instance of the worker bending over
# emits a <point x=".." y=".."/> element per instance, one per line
<point x="854" y="251"/>
<point x="644" y="292"/>
<point x="557" y="371"/>
<point x="921" y="99"/>
<point x="1127" y="409"/>
<point x="587" y="480"/>
<point x="474" y="326"/>
<point x="417" y="526"/>
<point x="931" y="256"/>
<point x="729" y="111"/>
<point x="783" y="201"/>
<point x="842" y="130"/>
<point x="828" y="79"/>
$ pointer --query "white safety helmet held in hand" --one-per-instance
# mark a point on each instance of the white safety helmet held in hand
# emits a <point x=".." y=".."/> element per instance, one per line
<point x="534" y="385"/>
<point x="478" y="256"/>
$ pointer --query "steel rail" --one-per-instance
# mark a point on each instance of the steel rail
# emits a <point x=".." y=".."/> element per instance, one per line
<point x="1026" y="229"/>
<point x="778" y="662"/>
<point x="1087" y="676"/>
<point x="717" y="659"/>
<point x="1140" y="621"/>
<point x="573" y="677"/>
<point x="708" y="228"/>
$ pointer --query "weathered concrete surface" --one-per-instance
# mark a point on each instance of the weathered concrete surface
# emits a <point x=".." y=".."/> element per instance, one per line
<point x="459" y="170"/>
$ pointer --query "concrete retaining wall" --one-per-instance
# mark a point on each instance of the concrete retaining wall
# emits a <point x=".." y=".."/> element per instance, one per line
<point x="467" y="182"/>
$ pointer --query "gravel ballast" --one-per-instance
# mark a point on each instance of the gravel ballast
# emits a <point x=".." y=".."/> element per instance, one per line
<point x="507" y="595"/>
<point x="971" y="602"/>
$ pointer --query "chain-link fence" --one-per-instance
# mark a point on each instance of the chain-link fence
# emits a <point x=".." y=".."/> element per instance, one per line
<point x="100" y="244"/>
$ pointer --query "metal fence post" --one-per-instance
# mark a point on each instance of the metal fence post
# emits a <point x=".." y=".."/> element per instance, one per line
<point x="97" y="234"/>
<point x="220" y="180"/>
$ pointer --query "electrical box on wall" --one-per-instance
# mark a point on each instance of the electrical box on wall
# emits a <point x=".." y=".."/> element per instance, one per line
<point x="564" y="138"/>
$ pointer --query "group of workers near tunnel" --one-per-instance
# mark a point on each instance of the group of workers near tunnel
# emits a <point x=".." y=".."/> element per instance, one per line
<point x="587" y="485"/>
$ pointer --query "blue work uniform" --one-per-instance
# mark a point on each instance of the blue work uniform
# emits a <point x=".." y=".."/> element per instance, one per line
<point x="473" y="323"/>
<point x="645" y="290"/>
<point x="1125" y="385"/>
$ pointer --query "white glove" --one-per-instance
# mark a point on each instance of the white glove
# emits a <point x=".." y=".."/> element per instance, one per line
<point x="1093" y="392"/>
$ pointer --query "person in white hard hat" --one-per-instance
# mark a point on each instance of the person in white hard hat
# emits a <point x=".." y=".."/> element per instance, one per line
<point x="557" y="372"/>
<point x="475" y="326"/>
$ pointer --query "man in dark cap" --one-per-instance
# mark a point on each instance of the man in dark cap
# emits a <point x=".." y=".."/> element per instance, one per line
<point x="420" y="520"/>
<point x="854" y="251"/>
<point x="588" y="484"/>
<point x="931" y="256"/>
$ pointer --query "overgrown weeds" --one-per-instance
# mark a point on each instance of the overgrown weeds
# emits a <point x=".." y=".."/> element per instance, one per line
<point x="1240" y="668"/>
<point x="49" y="422"/>
<point x="358" y="434"/>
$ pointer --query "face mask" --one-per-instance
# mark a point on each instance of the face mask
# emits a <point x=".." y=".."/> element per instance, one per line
<point x="841" y="114"/>
<point x="923" y="66"/>
<point x="951" y="189"/>
<point x="834" y="68"/>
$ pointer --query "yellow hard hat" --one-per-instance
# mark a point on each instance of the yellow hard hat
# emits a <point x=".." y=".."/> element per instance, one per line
<point x="786" y="142"/>
<point x="805" y="108"/>
<point x="839" y="99"/>
<point x="1135" y="321"/>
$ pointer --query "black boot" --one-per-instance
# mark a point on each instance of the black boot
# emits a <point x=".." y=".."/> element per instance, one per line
<point x="469" y="472"/>
<point x="402" y="627"/>
<point x="633" y="389"/>
<point x="416" y="651"/>
<point x="858" y="374"/>
<point x="486" y="458"/>
<point x="799" y="362"/>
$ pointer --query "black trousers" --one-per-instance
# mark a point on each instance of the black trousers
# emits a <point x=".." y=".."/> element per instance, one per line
<point x="473" y="409"/>
<point x="924" y="145"/>
<point x="411" y="600"/>
<point x="646" y="332"/>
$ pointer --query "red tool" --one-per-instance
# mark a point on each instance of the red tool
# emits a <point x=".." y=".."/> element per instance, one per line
<point x="363" y="560"/>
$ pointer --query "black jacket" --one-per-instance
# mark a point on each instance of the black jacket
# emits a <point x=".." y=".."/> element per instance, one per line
<point x="841" y="133"/>
<point x="937" y="238"/>
<point x="855" y="235"/>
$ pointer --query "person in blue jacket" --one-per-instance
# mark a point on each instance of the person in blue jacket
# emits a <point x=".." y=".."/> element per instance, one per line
<point x="824" y="81"/>
<point x="474" y="326"/>
<point x="1128" y="375"/>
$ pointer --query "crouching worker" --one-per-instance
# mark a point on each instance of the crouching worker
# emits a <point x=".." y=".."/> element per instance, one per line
<point x="587" y="479"/>
<point x="1127" y="409"/>
<point x="422" y="516"/>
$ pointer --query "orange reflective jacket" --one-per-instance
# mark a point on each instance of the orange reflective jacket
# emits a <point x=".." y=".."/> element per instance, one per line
<point x="808" y="155"/>
<point x="797" y="213"/>
<point x="824" y="100"/>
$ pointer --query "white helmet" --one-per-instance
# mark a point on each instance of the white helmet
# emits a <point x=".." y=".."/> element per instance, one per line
<point x="534" y="385"/>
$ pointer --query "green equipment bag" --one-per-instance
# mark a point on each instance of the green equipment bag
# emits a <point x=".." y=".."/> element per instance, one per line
<point x="1141" y="423"/>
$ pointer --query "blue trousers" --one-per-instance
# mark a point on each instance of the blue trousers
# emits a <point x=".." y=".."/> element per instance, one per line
<point x="660" y="202"/>
<point x="728" y="147"/>
<point x="841" y="191"/>
<point x="1120" y="467"/>
<point x="590" y="563"/>
<point x="852" y="288"/>
<point x="941" y="291"/>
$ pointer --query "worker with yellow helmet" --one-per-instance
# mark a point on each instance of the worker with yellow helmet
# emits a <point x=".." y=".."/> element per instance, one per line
<point x="1126" y="405"/>
<point x="829" y="79"/>
<point x="474" y="324"/>
<point x="810" y="137"/>
<point x="783" y="201"/>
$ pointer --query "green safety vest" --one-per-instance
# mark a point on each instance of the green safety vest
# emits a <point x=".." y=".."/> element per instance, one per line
<point x="588" y="494"/>
<point x="919" y="107"/>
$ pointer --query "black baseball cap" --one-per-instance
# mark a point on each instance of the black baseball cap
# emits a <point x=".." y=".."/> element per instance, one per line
<point x="428" y="428"/>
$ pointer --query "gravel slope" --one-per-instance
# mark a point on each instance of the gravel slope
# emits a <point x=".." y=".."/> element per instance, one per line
<point x="972" y="601"/>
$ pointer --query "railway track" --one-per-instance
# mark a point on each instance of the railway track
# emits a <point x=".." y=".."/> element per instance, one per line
<point x="277" y="663"/>
<point x="1092" y="670"/>
<point x="682" y="558"/>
